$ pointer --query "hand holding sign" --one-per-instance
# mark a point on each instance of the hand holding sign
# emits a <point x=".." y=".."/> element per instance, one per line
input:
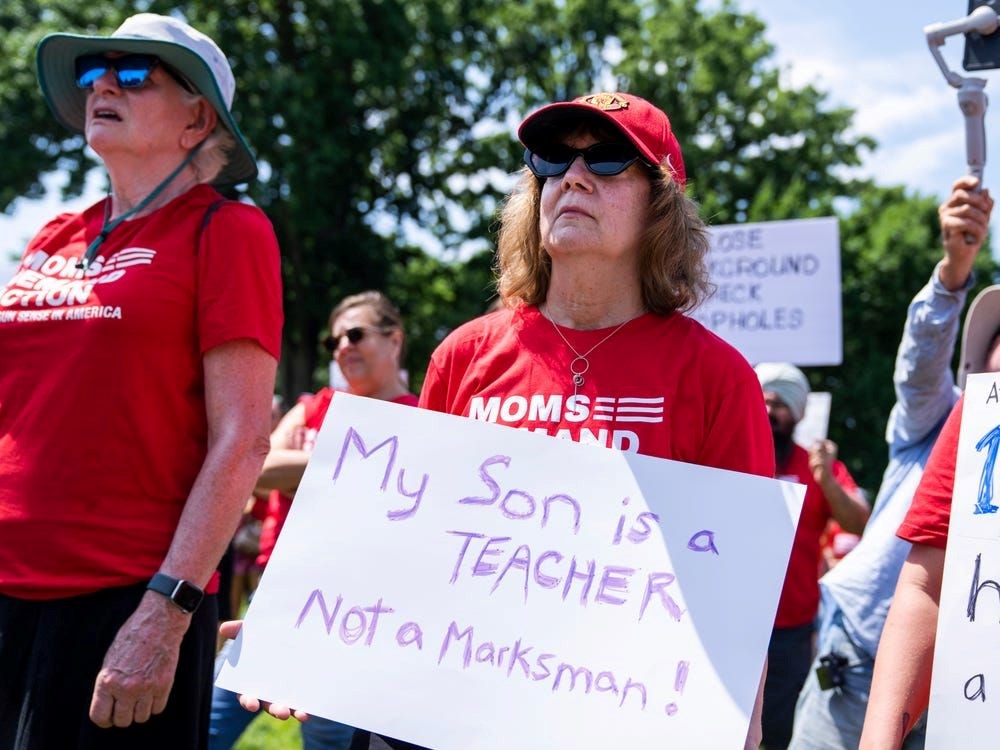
<point x="230" y="630"/>
<point x="520" y="590"/>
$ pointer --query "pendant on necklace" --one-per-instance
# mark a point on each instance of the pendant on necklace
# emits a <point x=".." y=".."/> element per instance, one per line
<point x="578" y="371"/>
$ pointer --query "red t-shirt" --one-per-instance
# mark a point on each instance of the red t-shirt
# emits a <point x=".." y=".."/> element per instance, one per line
<point x="662" y="386"/>
<point x="278" y="503"/>
<point x="800" y="593"/>
<point x="927" y="520"/>
<point x="103" y="426"/>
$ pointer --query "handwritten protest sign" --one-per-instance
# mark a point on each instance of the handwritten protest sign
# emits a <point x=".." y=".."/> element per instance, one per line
<point x="777" y="295"/>
<point x="459" y="584"/>
<point x="966" y="681"/>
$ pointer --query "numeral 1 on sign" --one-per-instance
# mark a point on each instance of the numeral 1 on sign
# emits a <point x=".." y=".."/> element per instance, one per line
<point x="984" y="501"/>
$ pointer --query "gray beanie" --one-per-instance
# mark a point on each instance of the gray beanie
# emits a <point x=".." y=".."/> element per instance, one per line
<point x="788" y="382"/>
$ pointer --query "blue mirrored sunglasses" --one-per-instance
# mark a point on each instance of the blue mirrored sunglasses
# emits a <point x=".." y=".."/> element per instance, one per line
<point x="604" y="159"/>
<point x="131" y="71"/>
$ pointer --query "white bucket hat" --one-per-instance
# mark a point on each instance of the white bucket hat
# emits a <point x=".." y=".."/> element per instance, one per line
<point x="982" y="323"/>
<point x="183" y="48"/>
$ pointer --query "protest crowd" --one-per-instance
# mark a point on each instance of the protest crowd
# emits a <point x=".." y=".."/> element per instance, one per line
<point x="147" y="469"/>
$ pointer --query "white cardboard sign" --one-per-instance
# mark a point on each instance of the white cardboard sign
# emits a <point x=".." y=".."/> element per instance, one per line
<point x="777" y="296"/>
<point x="815" y="422"/>
<point x="965" y="685"/>
<point x="460" y="584"/>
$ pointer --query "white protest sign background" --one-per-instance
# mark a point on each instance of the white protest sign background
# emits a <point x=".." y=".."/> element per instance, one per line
<point x="815" y="422"/>
<point x="777" y="295"/>
<point x="460" y="584"/>
<point x="965" y="686"/>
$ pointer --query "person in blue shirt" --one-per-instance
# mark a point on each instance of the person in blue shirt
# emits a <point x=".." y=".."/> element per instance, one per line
<point x="856" y="594"/>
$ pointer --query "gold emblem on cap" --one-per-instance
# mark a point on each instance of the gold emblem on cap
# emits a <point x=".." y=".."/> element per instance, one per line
<point x="605" y="102"/>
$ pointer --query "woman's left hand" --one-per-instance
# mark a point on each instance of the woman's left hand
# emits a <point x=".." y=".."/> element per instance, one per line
<point x="139" y="666"/>
<point x="230" y="629"/>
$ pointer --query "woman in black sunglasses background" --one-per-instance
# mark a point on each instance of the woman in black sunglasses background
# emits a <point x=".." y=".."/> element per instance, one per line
<point x="139" y="343"/>
<point x="367" y="341"/>
<point x="599" y="255"/>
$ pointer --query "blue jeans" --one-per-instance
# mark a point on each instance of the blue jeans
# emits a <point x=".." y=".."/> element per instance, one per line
<point x="229" y="719"/>
<point x="832" y="719"/>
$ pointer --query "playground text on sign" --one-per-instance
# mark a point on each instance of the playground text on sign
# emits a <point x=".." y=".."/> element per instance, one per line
<point x="965" y="686"/>
<point x="777" y="290"/>
<point x="460" y="584"/>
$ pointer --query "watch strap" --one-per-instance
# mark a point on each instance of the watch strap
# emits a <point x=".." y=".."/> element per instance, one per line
<point x="182" y="593"/>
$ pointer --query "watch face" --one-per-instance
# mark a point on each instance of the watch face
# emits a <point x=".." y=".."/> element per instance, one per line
<point x="187" y="597"/>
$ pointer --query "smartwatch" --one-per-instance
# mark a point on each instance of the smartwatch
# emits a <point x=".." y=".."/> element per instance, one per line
<point x="183" y="593"/>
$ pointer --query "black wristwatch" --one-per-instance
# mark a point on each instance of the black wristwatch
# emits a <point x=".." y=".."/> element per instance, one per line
<point x="183" y="593"/>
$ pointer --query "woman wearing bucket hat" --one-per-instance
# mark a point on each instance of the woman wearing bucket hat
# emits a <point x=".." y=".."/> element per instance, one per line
<point x="901" y="682"/>
<point x="143" y="335"/>
<point x="599" y="254"/>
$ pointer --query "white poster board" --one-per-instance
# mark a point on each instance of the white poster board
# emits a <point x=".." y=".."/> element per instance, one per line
<point x="460" y="585"/>
<point x="965" y="686"/>
<point x="777" y="296"/>
<point x="815" y="422"/>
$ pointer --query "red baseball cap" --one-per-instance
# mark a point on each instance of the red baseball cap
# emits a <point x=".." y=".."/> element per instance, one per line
<point x="646" y="126"/>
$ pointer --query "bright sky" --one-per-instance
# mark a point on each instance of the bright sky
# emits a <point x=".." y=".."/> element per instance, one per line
<point x="868" y="54"/>
<point x="873" y="57"/>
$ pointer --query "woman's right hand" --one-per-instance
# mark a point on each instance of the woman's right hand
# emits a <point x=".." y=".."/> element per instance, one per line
<point x="229" y="630"/>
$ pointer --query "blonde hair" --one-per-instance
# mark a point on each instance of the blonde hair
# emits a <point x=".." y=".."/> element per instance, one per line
<point x="672" y="266"/>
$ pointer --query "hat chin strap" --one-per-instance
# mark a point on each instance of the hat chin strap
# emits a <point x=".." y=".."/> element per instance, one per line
<point x="107" y="227"/>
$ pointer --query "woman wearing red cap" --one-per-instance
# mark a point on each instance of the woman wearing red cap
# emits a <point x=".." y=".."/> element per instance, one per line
<point x="600" y="254"/>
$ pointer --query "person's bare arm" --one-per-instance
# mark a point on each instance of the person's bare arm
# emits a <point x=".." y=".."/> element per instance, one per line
<point x="138" y="669"/>
<point x="849" y="509"/>
<point x="902" y="681"/>
<point x="286" y="461"/>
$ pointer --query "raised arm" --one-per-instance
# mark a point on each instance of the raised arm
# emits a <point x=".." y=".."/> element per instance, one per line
<point x="848" y="507"/>
<point x="923" y="378"/>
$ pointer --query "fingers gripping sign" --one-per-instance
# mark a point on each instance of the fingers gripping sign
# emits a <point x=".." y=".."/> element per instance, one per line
<point x="230" y="630"/>
<point x="138" y="669"/>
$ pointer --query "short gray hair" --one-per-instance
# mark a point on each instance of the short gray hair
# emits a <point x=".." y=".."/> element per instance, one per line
<point x="213" y="155"/>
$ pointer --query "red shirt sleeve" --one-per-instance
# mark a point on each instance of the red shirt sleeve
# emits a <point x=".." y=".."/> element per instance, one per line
<point x="927" y="520"/>
<point x="239" y="280"/>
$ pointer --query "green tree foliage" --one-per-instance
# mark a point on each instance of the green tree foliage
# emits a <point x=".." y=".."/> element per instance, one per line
<point x="31" y="141"/>
<point x="384" y="129"/>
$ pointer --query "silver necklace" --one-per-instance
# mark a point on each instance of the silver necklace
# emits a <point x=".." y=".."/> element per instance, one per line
<point x="579" y="366"/>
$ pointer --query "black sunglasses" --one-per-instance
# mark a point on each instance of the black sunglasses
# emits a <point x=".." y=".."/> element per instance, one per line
<point x="131" y="71"/>
<point x="354" y="335"/>
<point x="604" y="159"/>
